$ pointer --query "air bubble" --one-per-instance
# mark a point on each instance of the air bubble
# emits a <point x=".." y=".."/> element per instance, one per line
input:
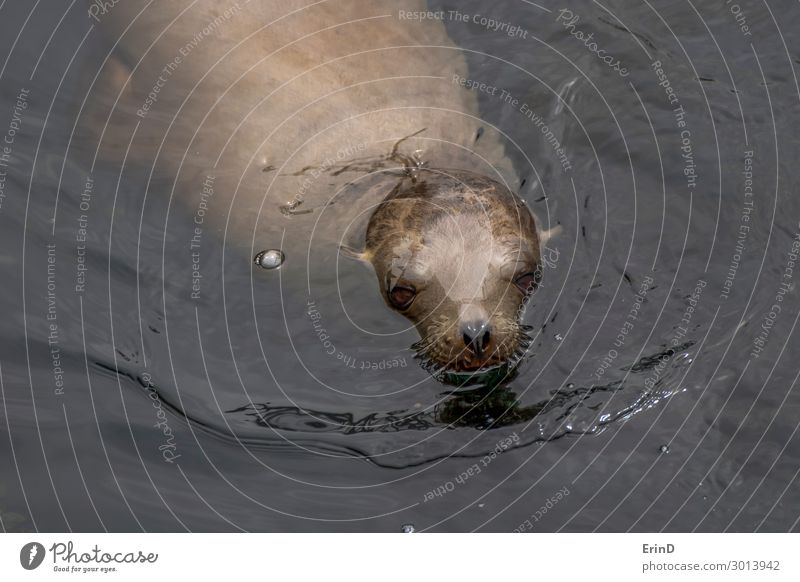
<point x="270" y="259"/>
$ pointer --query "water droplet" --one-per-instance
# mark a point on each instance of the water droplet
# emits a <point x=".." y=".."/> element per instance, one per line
<point x="408" y="528"/>
<point x="270" y="259"/>
<point x="664" y="449"/>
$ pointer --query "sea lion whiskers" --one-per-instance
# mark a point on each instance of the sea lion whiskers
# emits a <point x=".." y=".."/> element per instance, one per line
<point x="437" y="353"/>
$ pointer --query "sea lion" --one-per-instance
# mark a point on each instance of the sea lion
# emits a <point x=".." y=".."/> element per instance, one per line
<point x="267" y="113"/>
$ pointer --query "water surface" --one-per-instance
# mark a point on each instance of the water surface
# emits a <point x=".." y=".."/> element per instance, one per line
<point x="659" y="390"/>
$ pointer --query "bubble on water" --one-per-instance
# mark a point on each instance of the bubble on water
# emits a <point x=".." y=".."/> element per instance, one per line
<point x="270" y="259"/>
<point x="488" y="421"/>
<point x="408" y="528"/>
<point x="664" y="449"/>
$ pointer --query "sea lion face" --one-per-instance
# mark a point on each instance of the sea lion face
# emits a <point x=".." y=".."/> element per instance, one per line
<point x="458" y="255"/>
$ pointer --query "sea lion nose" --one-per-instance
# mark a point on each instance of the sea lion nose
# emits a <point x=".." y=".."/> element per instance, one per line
<point x="477" y="336"/>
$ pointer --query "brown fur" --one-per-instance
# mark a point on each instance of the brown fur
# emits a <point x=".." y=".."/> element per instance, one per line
<point x="273" y="92"/>
<point x="460" y="240"/>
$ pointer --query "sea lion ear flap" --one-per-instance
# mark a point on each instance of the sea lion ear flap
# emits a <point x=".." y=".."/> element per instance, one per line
<point x="355" y="239"/>
<point x="546" y="235"/>
<point x="351" y="253"/>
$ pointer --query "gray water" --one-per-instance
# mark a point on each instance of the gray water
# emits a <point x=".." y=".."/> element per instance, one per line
<point x="660" y="389"/>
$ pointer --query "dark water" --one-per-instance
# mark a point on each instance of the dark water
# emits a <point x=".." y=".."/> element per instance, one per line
<point x="660" y="389"/>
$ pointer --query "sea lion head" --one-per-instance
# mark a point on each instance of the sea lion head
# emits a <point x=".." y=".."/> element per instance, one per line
<point x="458" y="255"/>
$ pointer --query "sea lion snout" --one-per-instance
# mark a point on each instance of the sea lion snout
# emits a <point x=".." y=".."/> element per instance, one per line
<point x="477" y="336"/>
<point x="457" y="254"/>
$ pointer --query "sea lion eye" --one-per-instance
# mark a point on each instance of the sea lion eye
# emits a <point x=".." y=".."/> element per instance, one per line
<point x="528" y="282"/>
<point x="402" y="296"/>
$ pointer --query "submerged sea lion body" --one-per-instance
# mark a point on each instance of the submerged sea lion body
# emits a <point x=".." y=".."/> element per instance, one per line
<point x="286" y="106"/>
<point x="297" y="88"/>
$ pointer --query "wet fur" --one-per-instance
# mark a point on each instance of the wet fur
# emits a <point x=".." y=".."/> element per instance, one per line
<point x="460" y="239"/>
